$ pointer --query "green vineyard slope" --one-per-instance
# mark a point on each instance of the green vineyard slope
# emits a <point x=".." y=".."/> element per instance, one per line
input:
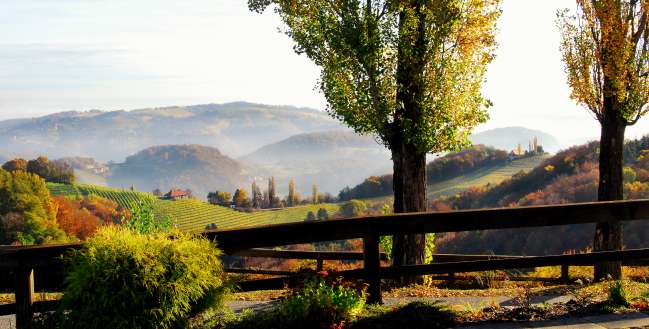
<point x="194" y="215"/>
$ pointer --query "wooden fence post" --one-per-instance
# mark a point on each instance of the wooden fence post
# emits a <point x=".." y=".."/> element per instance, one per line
<point x="319" y="265"/>
<point x="372" y="265"/>
<point x="24" y="290"/>
<point x="451" y="278"/>
<point x="565" y="273"/>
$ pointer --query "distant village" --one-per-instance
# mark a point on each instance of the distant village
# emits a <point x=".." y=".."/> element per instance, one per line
<point x="533" y="148"/>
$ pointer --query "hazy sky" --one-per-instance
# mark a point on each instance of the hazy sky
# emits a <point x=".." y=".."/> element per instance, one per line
<point x="124" y="54"/>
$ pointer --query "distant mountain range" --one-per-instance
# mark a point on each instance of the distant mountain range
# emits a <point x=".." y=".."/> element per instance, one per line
<point x="235" y="128"/>
<point x="255" y="141"/>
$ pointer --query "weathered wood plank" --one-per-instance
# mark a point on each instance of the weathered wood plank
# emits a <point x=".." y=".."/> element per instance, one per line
<point x="371" y="266"/>
<point x="453" y="221"/>
<point x="24" y="290"/>
<point x="299" y="254"/>
<point x="506" y="264"/>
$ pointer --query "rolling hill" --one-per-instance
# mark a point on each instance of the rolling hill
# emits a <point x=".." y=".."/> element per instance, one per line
<point x="194" y="215"/>
<point x="491" y="175"/>
<point x="235" y="128"/>
<point x="199" y="168"/>
<point x="331" y="160"/>
<point x="570" y="176"/>
<point x="484" y="176"/>
<point x="454" y="172"/>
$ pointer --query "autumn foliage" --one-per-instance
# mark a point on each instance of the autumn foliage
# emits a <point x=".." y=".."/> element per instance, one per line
<point x="83" y="217"/>
<point x="568" y="177"/>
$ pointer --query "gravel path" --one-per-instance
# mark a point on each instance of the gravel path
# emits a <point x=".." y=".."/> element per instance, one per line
<point x="635" y="320"/>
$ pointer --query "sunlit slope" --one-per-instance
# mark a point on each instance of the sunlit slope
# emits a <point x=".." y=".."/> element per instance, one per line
<point x="124" y="198"/>
<point x="195" y="215"/>
<point x="490" y="175"/>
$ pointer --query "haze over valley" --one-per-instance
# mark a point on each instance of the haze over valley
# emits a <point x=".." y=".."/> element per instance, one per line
<point x="217" y="146"/>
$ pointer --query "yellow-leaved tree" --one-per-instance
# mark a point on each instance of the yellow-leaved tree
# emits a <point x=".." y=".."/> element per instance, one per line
<point x="408" y="72"/>
<point x="605" y="48"/>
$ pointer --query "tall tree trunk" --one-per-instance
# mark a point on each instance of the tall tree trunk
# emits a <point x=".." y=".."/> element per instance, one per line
<point x="608" y="235"/>
<point x="398" y="254"/>
<point x="414" y="200"/>
<point x="411" y="65"/>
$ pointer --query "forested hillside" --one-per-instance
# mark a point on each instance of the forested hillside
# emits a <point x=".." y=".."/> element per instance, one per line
<point x="478" y="159"/>
<point x="199" y="168"/>
<point x="569" y="176"/>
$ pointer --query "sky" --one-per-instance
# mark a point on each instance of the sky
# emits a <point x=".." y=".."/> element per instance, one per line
<point x="61" y="55"/>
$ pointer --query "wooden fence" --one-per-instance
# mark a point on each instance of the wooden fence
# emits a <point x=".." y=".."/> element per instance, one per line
<point x="23" y="260"/>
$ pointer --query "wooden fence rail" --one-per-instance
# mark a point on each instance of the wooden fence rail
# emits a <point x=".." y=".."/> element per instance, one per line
<point x="23" y="260"/>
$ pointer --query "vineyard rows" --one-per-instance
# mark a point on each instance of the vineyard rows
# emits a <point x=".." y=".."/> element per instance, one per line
<point x="194" y="215"/>
<point x="124" y="198"/>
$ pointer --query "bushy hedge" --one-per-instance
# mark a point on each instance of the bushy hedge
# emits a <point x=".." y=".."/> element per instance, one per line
<point x="125" y="279"/>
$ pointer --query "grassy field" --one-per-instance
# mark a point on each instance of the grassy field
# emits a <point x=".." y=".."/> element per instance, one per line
<point x="490" y="175"/>
<point x="194" y="215"/>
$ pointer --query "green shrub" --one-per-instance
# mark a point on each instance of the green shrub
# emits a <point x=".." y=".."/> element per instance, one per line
<point x="322" y="303"/>
<point x="125" y="279"/>
<point x="353" y="208"/>
<point x="618" y="295"/>
<point x="316" y="305"/>
<point x="143" y="219"/>
<point x="322" y="214"/>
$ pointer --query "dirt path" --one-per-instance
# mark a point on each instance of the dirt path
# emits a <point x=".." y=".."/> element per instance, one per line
<point x="635" y="320"/>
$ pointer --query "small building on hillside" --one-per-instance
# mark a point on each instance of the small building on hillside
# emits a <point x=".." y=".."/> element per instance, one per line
<point x="178" y="194"/>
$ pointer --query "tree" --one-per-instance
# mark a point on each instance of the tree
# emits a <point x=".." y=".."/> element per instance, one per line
<point x="39" y="166"/>
<point x="326" y="198"/>
<point x="15" y="165"/>
<point x="266" y="200"/>
<point x="272" y="198"/>
<point x="605" y="46"/>
<point x="240" y="198"/>
<point x="290" y="200"/>
<point x="219" y="198"/>
<point x="27" y="213"/>
<point x="322" y="214"/>
<point x="353" y="208"/>
<point x="256" y="196"/>
<point x="75" y="219"/>
<point x="54" y="171"/>
<point x="310" y="216"/>
<point x="314" y="194"/>
<point x="407" y="72"/>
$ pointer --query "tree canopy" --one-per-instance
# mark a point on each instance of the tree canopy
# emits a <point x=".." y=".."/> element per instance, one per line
<point x="27" y="214"/>
<point x="605" y="47"/>
<point x="362" y="47"/>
